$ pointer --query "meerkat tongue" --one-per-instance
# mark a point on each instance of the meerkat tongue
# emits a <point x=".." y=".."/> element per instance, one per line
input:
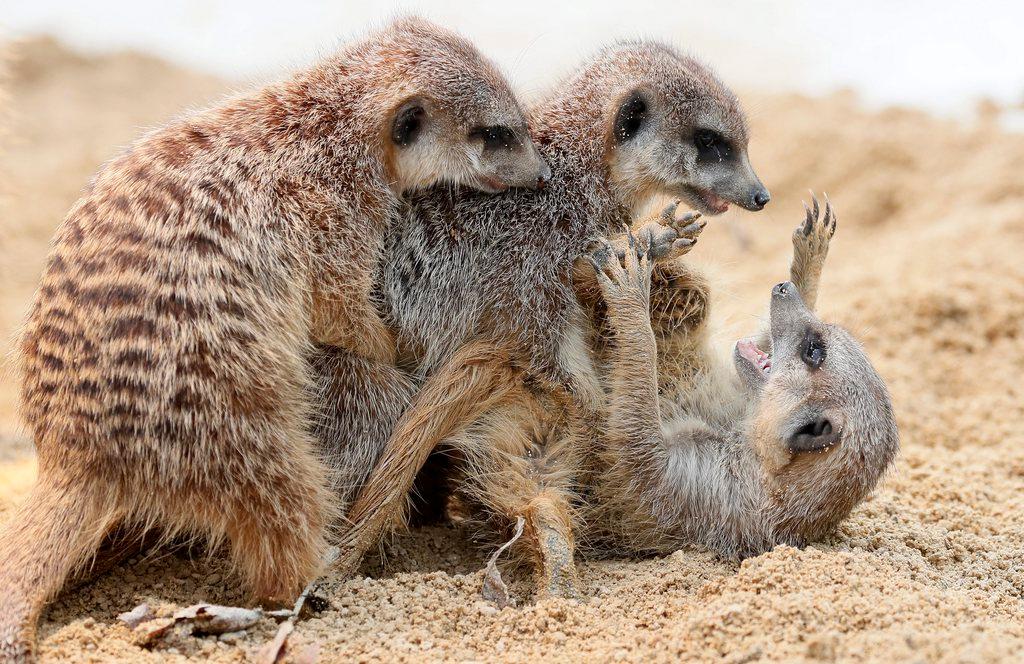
<point x="751" y="353"/>
<point x="716" y="202"/>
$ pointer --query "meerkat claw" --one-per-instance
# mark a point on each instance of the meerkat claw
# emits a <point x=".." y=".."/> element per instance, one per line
<point x="694" y="228"/>
<point x="668" y="215"/>
<point x="688" y="216"/>
<point x="808" y="221"/>
<point x="831" y="220"/>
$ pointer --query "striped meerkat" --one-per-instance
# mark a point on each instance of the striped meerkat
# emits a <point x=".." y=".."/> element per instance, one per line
<point x="166" y="375"/>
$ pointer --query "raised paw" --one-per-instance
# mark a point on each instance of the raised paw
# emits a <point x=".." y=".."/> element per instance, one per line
<point x="674" y="234"/>
<point x="625" y="283"/>
<point x="811" y="238"/>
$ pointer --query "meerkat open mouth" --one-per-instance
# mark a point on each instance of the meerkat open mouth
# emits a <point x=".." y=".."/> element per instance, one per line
<point x="712" y="202"/>
<point x="749" y="351"/>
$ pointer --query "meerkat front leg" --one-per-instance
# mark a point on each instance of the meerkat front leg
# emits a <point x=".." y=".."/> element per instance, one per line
<point x="810" y="248"/>
<point x="634" y="419"/>
<point x="666" y="236"/>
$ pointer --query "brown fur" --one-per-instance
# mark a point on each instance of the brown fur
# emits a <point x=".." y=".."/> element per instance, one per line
<point x="166" y="373"/>
<point x="498" y="271"/>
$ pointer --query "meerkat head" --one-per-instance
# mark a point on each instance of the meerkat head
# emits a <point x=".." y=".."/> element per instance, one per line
<point x="454" y="118"/>
<point x="676" y="130"/>
<point x="823" y="430"/>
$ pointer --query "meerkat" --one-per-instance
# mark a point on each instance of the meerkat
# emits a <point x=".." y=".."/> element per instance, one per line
<point x="481" y="290"/>
<point x="777" y="448"/>
<point x="774" y="445"/>
<point x="167" y="380"/>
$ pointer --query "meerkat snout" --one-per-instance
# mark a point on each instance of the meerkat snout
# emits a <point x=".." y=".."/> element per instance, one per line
<point x="760" y="198"/>
<point x="783" y="289"/>
<point x="458" y="121"/>
<point x="683" y="134"/>
<point x="509" y="159"/>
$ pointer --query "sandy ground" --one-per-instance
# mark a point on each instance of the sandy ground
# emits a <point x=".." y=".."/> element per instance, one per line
<point x="927" y="269"/>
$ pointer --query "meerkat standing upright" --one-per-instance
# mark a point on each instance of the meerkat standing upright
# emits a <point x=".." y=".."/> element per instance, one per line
<point x="166" y="381"/>
<point x="480" y="289"/>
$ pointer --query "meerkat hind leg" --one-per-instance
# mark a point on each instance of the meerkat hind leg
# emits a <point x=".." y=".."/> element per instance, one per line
<point x="476" y="377"/>
<point x="526" y="472"/>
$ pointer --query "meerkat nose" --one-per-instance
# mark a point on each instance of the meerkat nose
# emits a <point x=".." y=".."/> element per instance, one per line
<point x="543" y="176"/>
<point x="783" y="289"/>
<point x="760" y="198"/>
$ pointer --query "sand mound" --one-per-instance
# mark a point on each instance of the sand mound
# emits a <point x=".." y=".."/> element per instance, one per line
<point x="926" y="269"/>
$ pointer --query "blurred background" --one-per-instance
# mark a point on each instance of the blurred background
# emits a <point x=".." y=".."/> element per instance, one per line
<point x="940" y="55"/>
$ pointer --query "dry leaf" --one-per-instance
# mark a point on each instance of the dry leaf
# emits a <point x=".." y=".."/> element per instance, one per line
<point x="273" y="651"/>
<point x="494" y="588"/>
<point x="214" y="619"/>
<point x="136" y="616"/>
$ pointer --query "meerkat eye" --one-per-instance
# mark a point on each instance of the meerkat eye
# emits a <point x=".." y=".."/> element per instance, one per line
<point x="813" y="353"/>
<point x="711" y="145"/>
<point x="408" y="123"/>
<point x="630" y="118"/>
<point x="496" y="137"/>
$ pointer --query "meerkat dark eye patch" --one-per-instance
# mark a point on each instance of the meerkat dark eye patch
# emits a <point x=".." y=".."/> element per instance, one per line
<point x="630" y="118"/>
<point x="408" y="124"/>
<point x="711" y="146"/>
<point x="816" y="435"/>
<point x="495" y="138"/>
<point x="813" y="349"/>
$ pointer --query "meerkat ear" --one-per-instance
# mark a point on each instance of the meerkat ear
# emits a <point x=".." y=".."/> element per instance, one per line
<point x="631" y="116"/>
<point x="410" y="118"/>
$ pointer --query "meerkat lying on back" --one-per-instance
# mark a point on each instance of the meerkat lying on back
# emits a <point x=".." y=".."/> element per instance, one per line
<point x="481" y="289"/>
<point x="166" y="377"/>
<point x="775" y="449"/>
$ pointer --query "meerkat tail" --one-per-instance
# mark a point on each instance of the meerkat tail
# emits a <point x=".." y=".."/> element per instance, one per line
<point x="477" y="376"/>
<point x="550" y="524"/>
<point x="50" y="536"/>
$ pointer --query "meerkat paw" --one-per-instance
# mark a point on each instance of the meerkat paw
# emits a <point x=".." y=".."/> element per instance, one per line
<point x="676" y="231"/>
<point x="671" y="234"/>
<point x="811" y="238"/>
<point x="626" y="283"/>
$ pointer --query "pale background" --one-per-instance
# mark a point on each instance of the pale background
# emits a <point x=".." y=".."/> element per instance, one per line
<point x="937" y="55"/>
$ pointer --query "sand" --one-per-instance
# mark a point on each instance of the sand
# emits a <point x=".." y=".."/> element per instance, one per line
<point x="927" y="269"/>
